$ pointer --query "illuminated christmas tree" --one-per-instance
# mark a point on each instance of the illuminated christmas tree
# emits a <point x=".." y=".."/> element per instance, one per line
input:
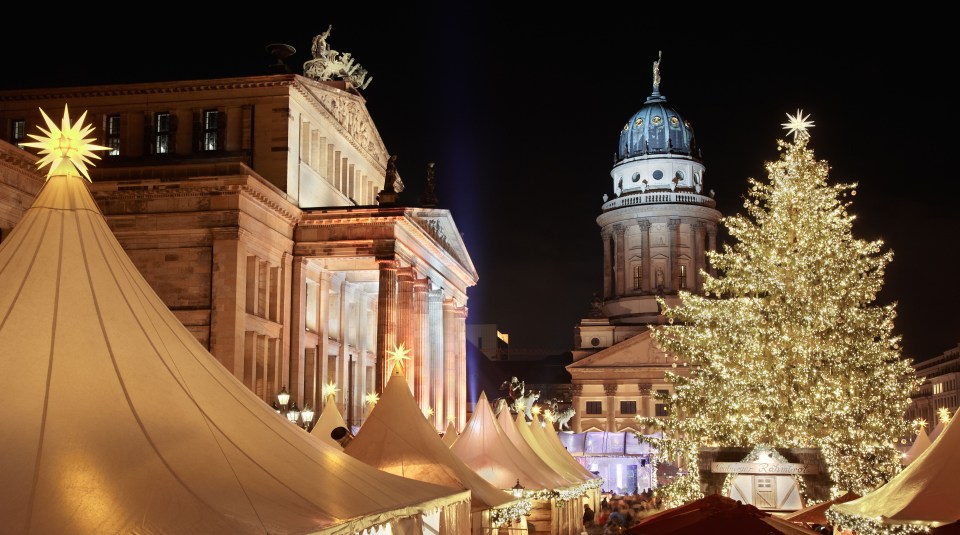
<point x="787" y="345"/>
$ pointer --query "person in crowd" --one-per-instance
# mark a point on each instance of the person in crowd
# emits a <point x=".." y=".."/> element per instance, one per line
<point x="587" y="515"/>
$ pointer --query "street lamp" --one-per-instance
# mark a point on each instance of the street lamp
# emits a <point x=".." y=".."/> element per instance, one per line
<point x="307" y="416"/>
<point x="283" y="397"/>
<point x="517" y="490"/>
<point x="293" y="413"/>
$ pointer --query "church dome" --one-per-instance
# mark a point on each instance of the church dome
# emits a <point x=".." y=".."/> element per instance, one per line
<point x="656" y="129"/>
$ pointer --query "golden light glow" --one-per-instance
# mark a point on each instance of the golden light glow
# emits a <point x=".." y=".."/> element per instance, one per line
<point x="397" y="357"/>
<point x="371" y="398"/>
<point x="549" y="416"/>
<point x="797" y="124"/>
<point x="65" y="149"/>
<point x="428" y="411"/>
<point x="788" y="346"/>
<point x="329" y="389"/>
<point x="920" y="423"/>
<point x="535" y="410"/>
<point x="943" y="414"/>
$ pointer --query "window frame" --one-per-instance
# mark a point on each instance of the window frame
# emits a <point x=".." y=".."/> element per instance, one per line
<point x="593" y="404"/>
<point x="162" y="133"/>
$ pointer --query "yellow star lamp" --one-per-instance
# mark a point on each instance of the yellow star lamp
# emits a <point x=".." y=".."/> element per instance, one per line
<point x="66" y="149"/>
<point x="797" y="125"/>
<point x="396" y="358"/>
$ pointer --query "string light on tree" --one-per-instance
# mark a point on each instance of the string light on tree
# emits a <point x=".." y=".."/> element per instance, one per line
<point x="786" y="344"/>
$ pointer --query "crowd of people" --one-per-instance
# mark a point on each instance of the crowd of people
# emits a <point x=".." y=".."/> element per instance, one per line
<point x="617" y="513"/>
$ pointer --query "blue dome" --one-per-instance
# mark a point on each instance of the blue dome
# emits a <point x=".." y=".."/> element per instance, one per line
<point x="657" y="129"/>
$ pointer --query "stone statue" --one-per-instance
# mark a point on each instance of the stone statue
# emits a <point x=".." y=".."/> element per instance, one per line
<point x="596" y="307"/>
<point x="659" y="277"/>
<point x="656" y="73"/>
<point x="319" y="47"/>
<point x="429" y="197"/>
<point x="391" y="181"/>
<point x="563" y="418"/>
<point x="328" y="64"/>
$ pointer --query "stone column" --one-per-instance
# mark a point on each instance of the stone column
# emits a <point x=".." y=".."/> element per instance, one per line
<point x="646" y="263"/>
<point x="421" y="343"/>
<point x="343" y="353"/>
<point x="674" y="268"/>
<point x="576" y="394"/>
<point x="712" y="236"/>
<point x="386" y="318"/>
<point x="645" y="408"/>
<point x="405" y="331"/>
<point x="610" y="389"/>
<point x="435" y="319"/>
<point x="299" y="382"/>
<point x="323" y="333"/>
<point x="228" y="295"/>
<point x="699" y="259"/>
<point x="606" y="264"/>
<point x="284" y="318"/>
<point x="449" y="360"/>
<point x="460" y="318"/>
<point x="618" y="244"/>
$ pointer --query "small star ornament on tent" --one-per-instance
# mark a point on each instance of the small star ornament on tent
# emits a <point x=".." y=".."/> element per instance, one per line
<point x="371" y="399"/>
<point x="798" y="125"/>
<point x="65" y="149"/>
<point x="397" y="356"/>
<point x="330" y="389"/>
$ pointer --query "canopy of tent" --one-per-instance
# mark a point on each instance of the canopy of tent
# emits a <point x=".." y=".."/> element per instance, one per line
<point x="717" y="515"/>
<point x="450" y="435"/>
<point x="920" y="445"/>
<point x="925" y="493"/>
<point x="330" y="423"/>
<point x="533" y="459"/>
<point x="117" y="420"/>
<point x="396" y="438"/>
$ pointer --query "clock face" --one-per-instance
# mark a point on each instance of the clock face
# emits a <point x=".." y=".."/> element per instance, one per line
<point x="658" y="174"/>
<point x="657" y="119"/>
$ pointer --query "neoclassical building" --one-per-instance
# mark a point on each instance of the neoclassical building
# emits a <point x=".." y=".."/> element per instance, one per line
<point x="255" y="206"/>
<point x="655" y="231"/>
<point x="940" y="388"/>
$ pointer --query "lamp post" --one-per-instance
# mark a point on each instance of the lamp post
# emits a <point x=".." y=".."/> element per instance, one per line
<point x="293" y="414"/>
<point x="517" y="490"/>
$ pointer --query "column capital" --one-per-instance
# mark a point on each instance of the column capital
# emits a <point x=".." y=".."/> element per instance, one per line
<point x="610" y="389"/>
<point x="406" y="274"/>
<point x="390" y="263"/>
<point x="644" y="224"/>
<point x="674" y="224"/>
<point x="577" y="389"/>
<point x="712" y="230"/>
<point x="645" y="388"/>
<point x="699" y="227"/>
<point x="421" y="285"/>
<point x="619" y="229"/>
<point x="460" y="312"/>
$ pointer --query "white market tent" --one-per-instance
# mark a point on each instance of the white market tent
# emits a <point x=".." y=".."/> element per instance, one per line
<point x="548" y="454"/>
<point x="396" y="438"/>
<point x="116" y="420"/>
<point x="485" y="447"/>
<point x="512" y="432"/>
<point x="925" y="493"/>
<point x="329" y="420"/>
<point x="450" y="435"/>
<point x="920" y="445"/>
<point x="552" y="440"/>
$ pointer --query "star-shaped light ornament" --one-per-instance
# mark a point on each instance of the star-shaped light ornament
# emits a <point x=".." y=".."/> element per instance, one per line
<point x="397" y="356"/>
<point x="66" y="149"/>
<point x="371" y="398"/>
<point x="944" y="414"/>
<point x="330" y="389"/>
<point x="798" y="125"/>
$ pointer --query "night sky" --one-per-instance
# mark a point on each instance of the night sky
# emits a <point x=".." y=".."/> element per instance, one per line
<point x="522" y="113"/>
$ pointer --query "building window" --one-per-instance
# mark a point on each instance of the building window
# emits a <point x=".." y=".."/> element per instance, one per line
<point x="937" y="388"/>
<point x="112" y="128"/>
<point x="661" y="410"/>
<point x="594" y="407"/>
<point x="637" y="277"/>
<point x="683" y="276"/>
<point x="18" y="132"/>
<point x="161" y="133"/>
<point x="628" y="407"/>
<point x="212" y="132"/>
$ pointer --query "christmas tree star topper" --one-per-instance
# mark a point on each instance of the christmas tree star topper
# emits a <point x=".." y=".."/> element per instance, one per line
<point x="330" y="389"/>
<point x="397" y="356"/>
<point x="65" y="149"/>
<point x="797" y="124"/>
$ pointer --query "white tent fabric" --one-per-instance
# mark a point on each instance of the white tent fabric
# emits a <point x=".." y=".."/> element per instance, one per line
<point x="533" y="457"/>
<point x="450" y="435"/>
<point x="330" y="419"/>
<point x="925" y="492"/>
<point x="485" y="448"/>
<point x="553" y="440"/>
<point x="533" y="433"/>
<point x="920" y="445"/>
<point x="937" y="429"/>
<point x="396" y="438"/>
<point x="116" y="420"/>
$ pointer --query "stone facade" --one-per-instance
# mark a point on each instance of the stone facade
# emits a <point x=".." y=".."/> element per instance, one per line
<point x="250" y="205"/>
<point x="940" y="388"/>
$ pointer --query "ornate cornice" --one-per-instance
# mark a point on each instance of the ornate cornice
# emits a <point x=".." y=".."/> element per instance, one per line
<point x="155" y="88"/>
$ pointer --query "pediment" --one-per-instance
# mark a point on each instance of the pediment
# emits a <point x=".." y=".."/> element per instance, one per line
<point x="349" y="113"/>
<point x="638" y="350"/>
<point x="438" y="224"/>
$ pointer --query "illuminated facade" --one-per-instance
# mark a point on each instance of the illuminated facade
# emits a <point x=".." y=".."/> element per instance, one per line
<point x="251" y="206"/>
<point x="940" y="388"/>
<point x="655" y="231"/>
